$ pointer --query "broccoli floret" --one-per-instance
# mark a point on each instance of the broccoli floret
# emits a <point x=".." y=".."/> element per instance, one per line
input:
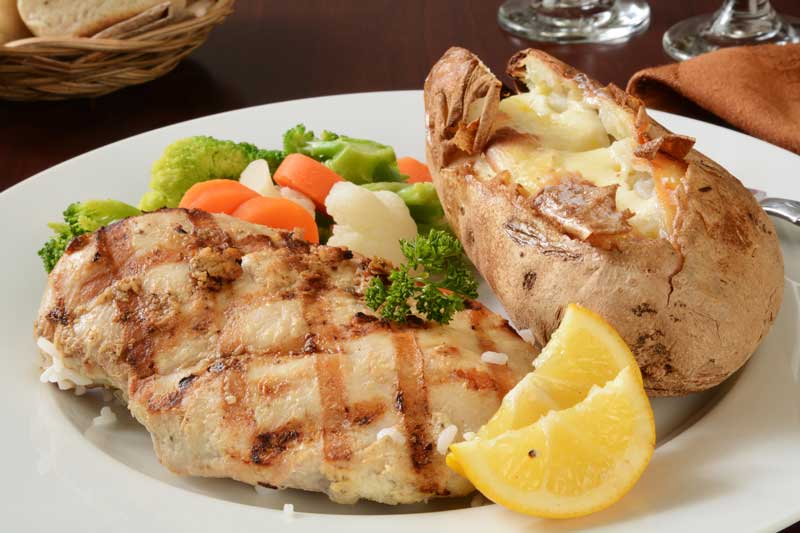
<point x="80" y="218"/>
<point x="296" y="139"/>
<point x="195" y="159"/>
<point x="422" y="202"/>
<point x="53" y="249"/>
<point x="357" y="160"/>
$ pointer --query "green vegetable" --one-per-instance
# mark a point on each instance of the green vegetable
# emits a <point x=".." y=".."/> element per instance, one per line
<point x="357" y="160"/>
<point x="435" y="262"/>
<point x="195" y="159"/>
<point x="80" y="218"/>
<point x="421" y="200"/>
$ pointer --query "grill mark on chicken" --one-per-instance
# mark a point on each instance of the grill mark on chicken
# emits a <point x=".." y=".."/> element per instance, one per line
<point x="500" y="374"/>
<point x="172" y="399"/>
<point x="113" y="251"/>
<point x="366" y="412"/>
<point x="324" y="343"/>
<point x="335" y="413"/>
<point x="137" y="348"/>
<point x="269" y="446"/>
<point x="238" y="418"/>
<point x="106" y="261"/>
<point x="412" y="402"/>
<point x="327" y="282"/>
<point x="78" y="243"/>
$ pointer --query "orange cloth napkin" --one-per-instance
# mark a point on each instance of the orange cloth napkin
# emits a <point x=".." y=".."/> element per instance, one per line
<point x="754" y="88"/>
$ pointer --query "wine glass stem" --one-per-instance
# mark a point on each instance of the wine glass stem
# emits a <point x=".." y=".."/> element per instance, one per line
<point x="753" y="8"/>
<point x="743" y="20"/>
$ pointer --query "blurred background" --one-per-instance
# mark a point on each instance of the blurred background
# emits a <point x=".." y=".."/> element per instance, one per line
<point x="269" y="51"/>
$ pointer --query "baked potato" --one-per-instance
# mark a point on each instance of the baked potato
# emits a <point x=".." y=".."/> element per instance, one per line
<point x="567" y="191"/>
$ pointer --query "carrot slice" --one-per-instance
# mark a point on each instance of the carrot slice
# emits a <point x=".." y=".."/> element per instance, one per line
<point x="308" y="176"/>
<point x="217" y="196"/>
<point x="417" y="170"/>
<point x="279" y="213"/>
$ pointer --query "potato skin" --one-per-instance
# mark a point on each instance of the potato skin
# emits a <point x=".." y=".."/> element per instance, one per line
<point x="693" y="308"/>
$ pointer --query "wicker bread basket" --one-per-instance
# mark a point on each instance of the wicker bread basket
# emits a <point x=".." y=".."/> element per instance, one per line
<point x="53" y="68"/>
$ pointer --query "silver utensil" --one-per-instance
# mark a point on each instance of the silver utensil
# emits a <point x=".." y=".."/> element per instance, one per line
<point x="779" y="207"/>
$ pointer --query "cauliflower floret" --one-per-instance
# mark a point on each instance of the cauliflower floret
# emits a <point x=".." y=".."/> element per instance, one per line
<point x="256" y="176"/>
<point x="299" y="198"/>
<point x="370" y="223"/>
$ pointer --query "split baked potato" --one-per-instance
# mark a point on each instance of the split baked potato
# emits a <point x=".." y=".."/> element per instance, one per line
<point x="567" y="191"/>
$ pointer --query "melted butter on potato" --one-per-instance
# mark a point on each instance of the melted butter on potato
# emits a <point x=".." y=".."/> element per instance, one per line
<point x="560" y="123"/>
<point x="552" y="132"/>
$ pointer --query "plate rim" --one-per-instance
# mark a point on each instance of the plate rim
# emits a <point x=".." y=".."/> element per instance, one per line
<point x="19" y="188"/>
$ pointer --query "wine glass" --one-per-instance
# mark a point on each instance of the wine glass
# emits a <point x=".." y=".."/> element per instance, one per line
<point x="574" y="21"/>
<point x="737" y="22"/>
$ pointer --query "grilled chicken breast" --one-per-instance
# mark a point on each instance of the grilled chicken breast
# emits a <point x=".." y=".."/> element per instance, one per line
<point x="249" y="354"/>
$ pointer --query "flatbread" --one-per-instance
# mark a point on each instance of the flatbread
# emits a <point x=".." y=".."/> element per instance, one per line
<point x="157" y="15"/>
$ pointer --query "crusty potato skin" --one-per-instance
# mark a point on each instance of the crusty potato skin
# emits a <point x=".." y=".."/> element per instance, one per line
<point x="692" y="308"/>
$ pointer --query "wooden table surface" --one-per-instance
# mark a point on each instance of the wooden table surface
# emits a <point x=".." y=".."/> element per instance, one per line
<point x="269" y="51"/>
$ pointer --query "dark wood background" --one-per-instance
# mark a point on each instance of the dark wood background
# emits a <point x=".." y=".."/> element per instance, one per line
<point x="269" y="51"/>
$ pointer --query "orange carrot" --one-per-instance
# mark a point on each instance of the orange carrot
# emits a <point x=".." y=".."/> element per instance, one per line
<point x="216" y="196"/>
<point x="279" y="213"/>
<point x="308" y="176"/>
<point x="417" y="170"/>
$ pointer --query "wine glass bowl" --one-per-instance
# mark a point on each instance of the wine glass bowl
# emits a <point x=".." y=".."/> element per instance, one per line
<point x="574" y="21"/>
<point x="736" y="23"/>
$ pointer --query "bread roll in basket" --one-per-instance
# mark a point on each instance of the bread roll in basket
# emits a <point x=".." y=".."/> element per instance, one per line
<point x="129" y="52"/>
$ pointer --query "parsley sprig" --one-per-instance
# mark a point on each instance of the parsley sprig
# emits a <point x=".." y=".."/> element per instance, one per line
<point x="436" y="280"/>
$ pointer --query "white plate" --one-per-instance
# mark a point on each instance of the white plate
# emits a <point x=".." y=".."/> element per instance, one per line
<point x="728" y="459"/>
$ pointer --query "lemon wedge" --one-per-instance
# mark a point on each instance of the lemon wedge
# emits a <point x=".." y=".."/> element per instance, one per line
<point x="583" y="351"/>
<point x="570" y="462"/>
<point x="574" y="435"/>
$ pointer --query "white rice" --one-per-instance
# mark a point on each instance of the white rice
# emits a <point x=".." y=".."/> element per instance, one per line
<point x="288" y="512"/>
<point x="66" y="378"/>
<point x="494" y="358"/>
<point x="469" y="435"/>
<point x="527" y="336"/>
<point x="230" y="398"/>
<point x="106" y="418"/>
<point x="446" y="438"/>
<point x="478" y="500"/>
<point x="391" y="433"/>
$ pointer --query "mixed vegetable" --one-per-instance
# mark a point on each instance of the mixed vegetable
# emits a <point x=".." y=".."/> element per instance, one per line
<point x="328" y="188"/>
<point x="80" y="218"/>
<point x="436" y="279"/>
<point x="195" y="159"/>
